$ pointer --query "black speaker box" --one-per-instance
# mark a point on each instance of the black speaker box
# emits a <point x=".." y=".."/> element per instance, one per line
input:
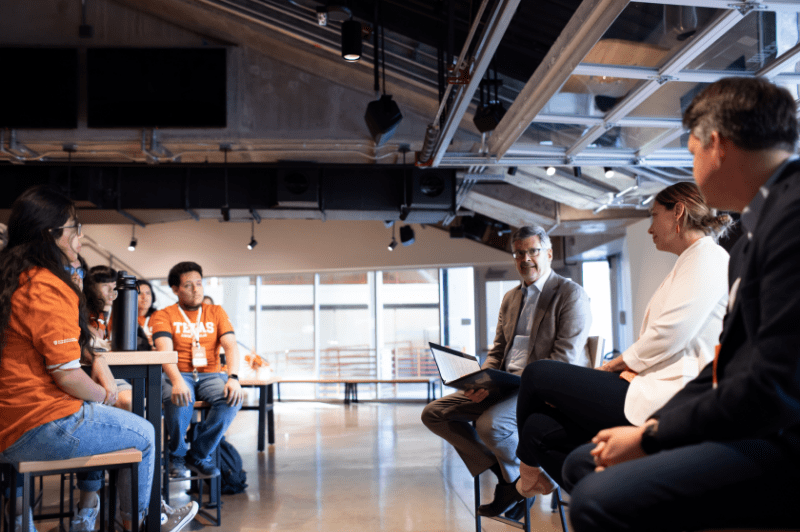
<point x="488" y="116"/>
<point x="383" y="116"/>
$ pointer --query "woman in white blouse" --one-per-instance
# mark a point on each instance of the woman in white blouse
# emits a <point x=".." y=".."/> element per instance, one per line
<point x="562" y="406"/>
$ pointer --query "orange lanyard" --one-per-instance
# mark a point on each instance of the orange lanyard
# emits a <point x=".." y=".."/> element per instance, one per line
<point x="716" y="361"/>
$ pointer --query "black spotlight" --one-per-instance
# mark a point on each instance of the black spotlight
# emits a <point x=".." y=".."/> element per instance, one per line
<point x="351" y="40"/>
<point x="382" y="117"/>
<point x="406" y="235"/>
<point x="252" y="242"/>
<point x="392" y="244"/>
<point x="132" y="245"/>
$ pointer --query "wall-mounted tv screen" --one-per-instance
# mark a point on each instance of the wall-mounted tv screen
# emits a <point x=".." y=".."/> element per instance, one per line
<point x="156" y="87"/>
<point x="39" y="88"/>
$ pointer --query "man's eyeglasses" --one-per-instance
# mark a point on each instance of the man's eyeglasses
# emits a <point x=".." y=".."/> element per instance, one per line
<point x="80" y="272"/>
<point x="77" y="228"/>
<point x="522" y="253"/>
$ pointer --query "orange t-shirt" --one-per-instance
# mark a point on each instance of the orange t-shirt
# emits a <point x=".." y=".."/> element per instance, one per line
<point x="99" y="323"/>
<point x="42" y="331"/>
<point x="214" y="323"/>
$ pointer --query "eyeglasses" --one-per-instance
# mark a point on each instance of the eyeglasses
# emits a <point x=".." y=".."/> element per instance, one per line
<point x="80" y="272"/>
<point x="77" y="228"/>
<point x="520" y="254"/>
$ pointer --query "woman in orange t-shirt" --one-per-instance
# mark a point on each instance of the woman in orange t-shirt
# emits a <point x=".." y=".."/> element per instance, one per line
<point x="146" y="300"/>
<point x="49" y="407"/>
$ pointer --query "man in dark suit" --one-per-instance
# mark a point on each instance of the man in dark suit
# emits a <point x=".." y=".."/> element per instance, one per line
<point x="725" y="451"/>
<point x="547" y="316"/>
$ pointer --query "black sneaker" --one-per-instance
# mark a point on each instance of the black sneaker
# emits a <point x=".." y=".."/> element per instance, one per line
<point x="204" y="467"/>
<point x="177" y="467"/>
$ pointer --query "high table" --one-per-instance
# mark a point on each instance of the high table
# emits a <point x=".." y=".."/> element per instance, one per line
<point x="143" y="368"/>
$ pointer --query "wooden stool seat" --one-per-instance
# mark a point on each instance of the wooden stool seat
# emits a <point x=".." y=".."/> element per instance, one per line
<point x="124" y="456"/>
<point x="201" y="404"/>
<point x="115" y="460"/>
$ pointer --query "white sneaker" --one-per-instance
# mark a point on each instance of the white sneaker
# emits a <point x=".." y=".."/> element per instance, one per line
<point x="18" y="523"/>
<point x="85" y="520"/>
<point x="175" y="519"/>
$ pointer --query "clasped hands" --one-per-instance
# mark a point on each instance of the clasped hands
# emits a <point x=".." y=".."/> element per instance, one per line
<point x="617" y="445"/>
<point x="182" y="396"/>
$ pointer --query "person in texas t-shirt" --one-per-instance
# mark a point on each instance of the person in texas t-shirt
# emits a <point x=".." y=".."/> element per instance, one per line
<point x="196" y="331"/>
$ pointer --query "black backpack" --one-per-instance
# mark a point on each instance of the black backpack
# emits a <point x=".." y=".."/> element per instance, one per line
<point x="234" y="478"/>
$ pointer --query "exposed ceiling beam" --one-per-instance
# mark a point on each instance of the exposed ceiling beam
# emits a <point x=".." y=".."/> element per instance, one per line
<point x="693" y="76"/>
<point x="496" y="26"/>
<point x="786" y="60"/>
<point x="584" y="29"/>
<point x="508" y="204"/>
<point x="698" y="45"/>
<point x="746" y="7"/>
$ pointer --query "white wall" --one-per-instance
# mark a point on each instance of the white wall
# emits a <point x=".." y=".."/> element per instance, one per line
<point x="648" y="268"/>
<point x="283" y="246"/>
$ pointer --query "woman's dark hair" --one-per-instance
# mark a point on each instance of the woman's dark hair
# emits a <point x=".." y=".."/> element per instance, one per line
<point x="94" y="298"/>
<point x="103" y="274"/>
<point x="696" y="214"/>
<point x="33" y="228"/>
<point x="152" y="308"/>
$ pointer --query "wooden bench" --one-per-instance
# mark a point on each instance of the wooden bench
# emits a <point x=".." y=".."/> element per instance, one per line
<point x="351" y="384"/>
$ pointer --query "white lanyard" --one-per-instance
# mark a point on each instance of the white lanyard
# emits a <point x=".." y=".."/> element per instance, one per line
<point x="146" y="321"/>
<point x="196" y="330"/>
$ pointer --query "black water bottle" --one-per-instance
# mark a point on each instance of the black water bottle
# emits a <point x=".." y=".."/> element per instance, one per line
<point x="125" y="313"/>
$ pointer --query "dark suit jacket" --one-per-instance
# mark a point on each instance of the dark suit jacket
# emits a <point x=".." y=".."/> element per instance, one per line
<point x="758" y="393"/>
<point x="560" y="324"/>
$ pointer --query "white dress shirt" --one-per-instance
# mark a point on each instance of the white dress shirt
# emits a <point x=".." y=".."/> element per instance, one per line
<point x="680" y="329"/>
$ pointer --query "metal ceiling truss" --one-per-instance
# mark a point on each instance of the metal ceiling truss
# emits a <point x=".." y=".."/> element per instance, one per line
<point x="584" y="29"/>
<point x="683" y="57"/>
<point x="496" y="26"/>
<point x="745" y="7"/>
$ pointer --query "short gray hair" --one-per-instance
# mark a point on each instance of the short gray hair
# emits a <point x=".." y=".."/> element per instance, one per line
<point x="527" y="231"/>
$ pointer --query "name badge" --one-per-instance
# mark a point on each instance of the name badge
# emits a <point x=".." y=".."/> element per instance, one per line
<point x="199" y="359"/>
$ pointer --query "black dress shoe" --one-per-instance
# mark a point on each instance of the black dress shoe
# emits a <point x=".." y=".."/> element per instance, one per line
<point x="505" y="496"/>
<point x="517" y="511"/>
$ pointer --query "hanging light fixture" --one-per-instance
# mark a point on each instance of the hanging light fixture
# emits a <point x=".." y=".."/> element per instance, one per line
<point x="252" y="242"/>
<point x="406" y="235"/>
<point x="132" y="245"/>
<point x="393" y="243"/>
<point x="608" y="172"/>
<point x="383" y="115"/>
<point x="551" y="170"/>
<point x="351" y="40"/>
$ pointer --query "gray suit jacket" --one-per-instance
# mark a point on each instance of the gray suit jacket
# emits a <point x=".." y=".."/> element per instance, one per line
<point x="560" y="325"/>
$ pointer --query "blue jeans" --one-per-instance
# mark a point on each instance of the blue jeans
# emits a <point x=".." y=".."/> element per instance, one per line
<point x="210" y="388"/>
<point x="93" y="429"/>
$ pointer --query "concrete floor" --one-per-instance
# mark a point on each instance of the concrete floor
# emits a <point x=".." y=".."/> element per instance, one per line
<point x="342" y="468"/>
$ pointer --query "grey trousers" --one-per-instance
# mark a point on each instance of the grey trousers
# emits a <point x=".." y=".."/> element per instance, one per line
<point x="494" y="438"/>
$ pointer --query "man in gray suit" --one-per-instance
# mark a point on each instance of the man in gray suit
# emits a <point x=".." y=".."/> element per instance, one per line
<point x="547" y="316"/>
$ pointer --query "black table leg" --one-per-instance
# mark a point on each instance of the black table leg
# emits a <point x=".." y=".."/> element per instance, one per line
<point x="270" y="416"/>
<point x="262" y="414"/>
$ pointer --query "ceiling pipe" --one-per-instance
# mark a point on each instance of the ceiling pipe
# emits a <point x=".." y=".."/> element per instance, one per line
<point x="496" y="26"/>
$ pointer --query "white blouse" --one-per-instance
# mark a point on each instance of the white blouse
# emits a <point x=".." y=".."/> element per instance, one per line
<point x="680" y="329"/>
